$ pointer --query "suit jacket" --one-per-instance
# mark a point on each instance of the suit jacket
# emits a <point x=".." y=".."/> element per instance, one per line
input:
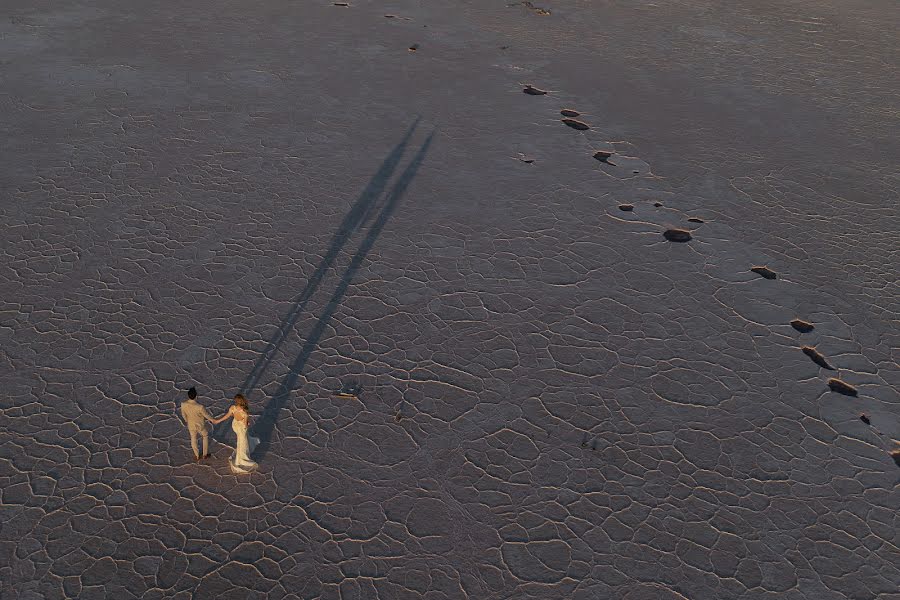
<point x="194" y="414"/>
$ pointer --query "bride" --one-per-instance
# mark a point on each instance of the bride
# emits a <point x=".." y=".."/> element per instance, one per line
<point x="240" y="411"/>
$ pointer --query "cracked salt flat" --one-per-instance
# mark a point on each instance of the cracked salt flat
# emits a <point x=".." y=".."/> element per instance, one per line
<point x="586" y="410"/>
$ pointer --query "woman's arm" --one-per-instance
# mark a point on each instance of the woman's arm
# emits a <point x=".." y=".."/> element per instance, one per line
<point x="223" y="417"/>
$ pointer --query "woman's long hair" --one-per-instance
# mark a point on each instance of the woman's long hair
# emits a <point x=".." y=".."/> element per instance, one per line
<point x="239" y="400"/>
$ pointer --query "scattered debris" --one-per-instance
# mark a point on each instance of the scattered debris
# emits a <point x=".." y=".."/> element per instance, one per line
<point x="677" y="235"/>
<point x="842" y="387"/>
<point x="765" y="272"/>
<point x="350" y="389"/>
<point x="817" y="357"/>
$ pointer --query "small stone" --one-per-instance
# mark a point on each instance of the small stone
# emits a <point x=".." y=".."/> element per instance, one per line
<point x="568" y="112"/>
<point x="802" y="326"/>
<point x="626" y="207"/>
<point x="817" y="357"/>
<point x="677" y="235"/>
<point x="533" y="91"/>
<point x="696" y="220"/>
<point x="603" y="155"/>
<point x="765" y="272"/>
<point x="576" y="124"/>
<point x="414" y="47"/>
<point x="842" y="387"/>
<point x="865" y="419"/>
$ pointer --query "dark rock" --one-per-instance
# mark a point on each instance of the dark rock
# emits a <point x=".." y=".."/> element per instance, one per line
<point x="817" y="357"/>
<point x="802" y="326"/>
<point x="865" y="419"/>
<point x="533" y="91"/>
<point x="842" y="387"/>
<point x="626" y="207"/>
<point x="576" y="124"/>
<point x="603" y="155"/>
<point x="765" y="272"/>
<point x="677" y="235"/>
<point x="568" y="112"/>
<point x="696" y="220"/>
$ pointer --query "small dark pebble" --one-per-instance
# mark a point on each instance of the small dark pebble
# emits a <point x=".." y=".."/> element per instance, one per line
<point x="765" y="272"/>
<point x="696" y="220"/>
<point x="842" y="387"/>
<point x="626" y="207"/>
<point x="817" y="357"/>
<point x="657" y="204"/>
<point x="802" y="326"/>
<point x="533" y="91"/>
<point x="603" y="155"/>
<point x="865" y="419"/>
<point x="576" y="124"/>
<point x="677" y="235"/>
<point x="568" y="112"/>
<point x="414" y="47"/>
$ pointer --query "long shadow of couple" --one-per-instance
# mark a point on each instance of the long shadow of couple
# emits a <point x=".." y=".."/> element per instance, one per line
<point x="368" y="206"/>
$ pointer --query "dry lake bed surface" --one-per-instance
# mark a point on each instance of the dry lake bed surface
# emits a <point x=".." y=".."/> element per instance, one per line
<point x="611" y="288"/>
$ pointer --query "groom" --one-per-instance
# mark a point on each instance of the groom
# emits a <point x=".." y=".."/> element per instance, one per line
<point x="195" y="416"/>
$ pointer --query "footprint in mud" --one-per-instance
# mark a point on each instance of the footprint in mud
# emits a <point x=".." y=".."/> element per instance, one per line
<point x="842" y="387"/>
<point x="678" y="235"/>
<point x="568" y="112"/>
<point x="816" y="357"/>
<point x="576" y="124"/>
<point x="533" y="91"/>
<point x="765" y="272"/>
<point x="802" y="326"/>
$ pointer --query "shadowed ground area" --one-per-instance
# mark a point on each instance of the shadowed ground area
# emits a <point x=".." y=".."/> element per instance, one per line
<point x="629" y="334"/>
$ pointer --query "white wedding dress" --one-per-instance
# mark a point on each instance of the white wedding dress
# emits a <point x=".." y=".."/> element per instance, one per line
<point x="240" y="460"/>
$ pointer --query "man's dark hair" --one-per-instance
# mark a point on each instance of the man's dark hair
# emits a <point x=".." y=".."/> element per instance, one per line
<point x="192" y="393"/>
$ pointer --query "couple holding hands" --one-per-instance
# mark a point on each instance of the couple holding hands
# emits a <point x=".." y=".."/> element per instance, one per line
<point x="196" y="416"/>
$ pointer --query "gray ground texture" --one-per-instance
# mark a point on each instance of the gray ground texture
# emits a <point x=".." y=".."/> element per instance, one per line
<point x="283" y="197"/>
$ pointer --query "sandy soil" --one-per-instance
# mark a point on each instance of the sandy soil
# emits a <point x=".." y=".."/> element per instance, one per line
<point x="558" y="398"/>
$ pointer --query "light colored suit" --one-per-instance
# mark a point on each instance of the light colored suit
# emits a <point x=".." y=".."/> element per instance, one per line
<point x="195" y="416"/>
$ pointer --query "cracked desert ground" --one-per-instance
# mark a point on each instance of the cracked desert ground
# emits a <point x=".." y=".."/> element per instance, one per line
<point x="476" y="212"/>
